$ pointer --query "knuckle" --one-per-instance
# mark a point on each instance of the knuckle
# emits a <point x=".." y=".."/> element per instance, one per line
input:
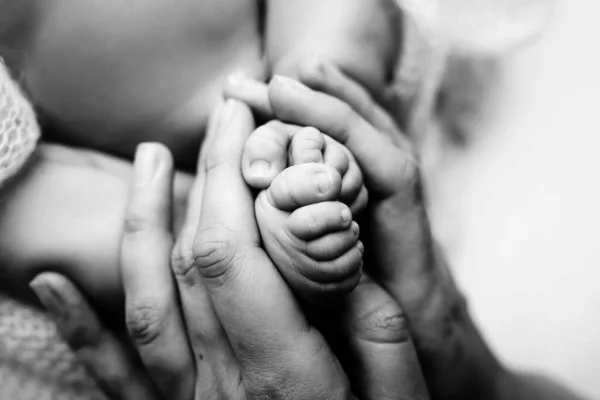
<point x="145" y="321"/>
<point x="136" y="222"/>
<point x="182" y="264"/>
<point x="384" y="324"/>
<point x="214" y="251"/>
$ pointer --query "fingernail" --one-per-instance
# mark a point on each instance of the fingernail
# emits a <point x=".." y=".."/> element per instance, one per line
<point x="346" y="216"/>
<point x="361" y="247"/>
<point x="323" y="182"/>
<point x="355" y="229"/>
<point x="49" y="295"/>
<point x="290" y="83"/>
<point x="260" y="168"/>
<point x="146" y="163"/>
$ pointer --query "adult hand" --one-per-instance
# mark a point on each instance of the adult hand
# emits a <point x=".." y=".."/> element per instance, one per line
<point x="403" y="259"/>
<point x="227" y="326"/>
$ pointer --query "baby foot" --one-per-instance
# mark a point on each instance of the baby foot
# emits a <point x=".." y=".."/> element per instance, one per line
<point x="306" y="228"/>
<point x="274" y="146"/>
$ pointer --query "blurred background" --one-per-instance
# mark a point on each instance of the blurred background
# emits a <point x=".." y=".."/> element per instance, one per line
<point x="518" y="207"/>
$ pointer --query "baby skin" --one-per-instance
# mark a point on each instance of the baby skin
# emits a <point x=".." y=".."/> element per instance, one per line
<point x="305" y="213"/>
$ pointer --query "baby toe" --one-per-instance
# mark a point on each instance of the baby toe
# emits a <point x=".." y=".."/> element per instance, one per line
<point x="334" y="275"/>
<point x="333" y="245"/>
<point x="265" y="155"/>
<point x="305" y="184"/>
<point x="354" y="193"/>
<point x="307" y="147"/>
<point x="313" y="221"/>
<point x="336" y="155"/>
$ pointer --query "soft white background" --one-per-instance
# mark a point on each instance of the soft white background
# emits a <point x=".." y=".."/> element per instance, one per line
<point x="520" y="209"/>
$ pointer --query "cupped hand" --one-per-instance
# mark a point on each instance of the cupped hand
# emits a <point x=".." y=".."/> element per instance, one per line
<point x="403" y="257"/>
<point x="227" y="326"/>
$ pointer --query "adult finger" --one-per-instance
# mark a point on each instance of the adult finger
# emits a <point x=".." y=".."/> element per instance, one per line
<point x="100" y="352"/>
<point x="457" y="361"/>
<point x="250" y="91"/>
<point x="152" y="314"/>
<point x="323" y="76"/>
<point x="384" y="161"/>
<point x="217" y="368"/>
<point x="268" y="331"/>
<point x="382" y="361"/>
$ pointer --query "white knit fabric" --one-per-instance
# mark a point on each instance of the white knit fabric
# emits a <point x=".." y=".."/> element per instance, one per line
<point x="35" y="363"/>
<point x="19" y="131"/>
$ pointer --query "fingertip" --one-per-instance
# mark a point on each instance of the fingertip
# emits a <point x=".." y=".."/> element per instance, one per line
<point x="152" y="161"/>
<point x="280" y="89"/>
<point x="311" y="69"/>
<point x="47" y="279"/>
<point x="233" y="123"/>
<point x="250" y="91"/>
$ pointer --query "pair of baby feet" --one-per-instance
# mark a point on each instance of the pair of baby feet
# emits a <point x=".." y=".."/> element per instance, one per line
<point x="311" y="188"/>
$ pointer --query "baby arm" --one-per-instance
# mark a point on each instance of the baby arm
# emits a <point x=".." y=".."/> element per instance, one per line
<point x="359" y="36"/>
<point x="305" y="214"/>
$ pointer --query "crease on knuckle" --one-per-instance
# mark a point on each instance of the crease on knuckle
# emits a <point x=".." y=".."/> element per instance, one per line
<point x="182" y="264"/>
<point x="385" y="324"/>
<point x="137" y="222"/>
<point x="145" y="321"/>
<point x="215" y="251"/>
